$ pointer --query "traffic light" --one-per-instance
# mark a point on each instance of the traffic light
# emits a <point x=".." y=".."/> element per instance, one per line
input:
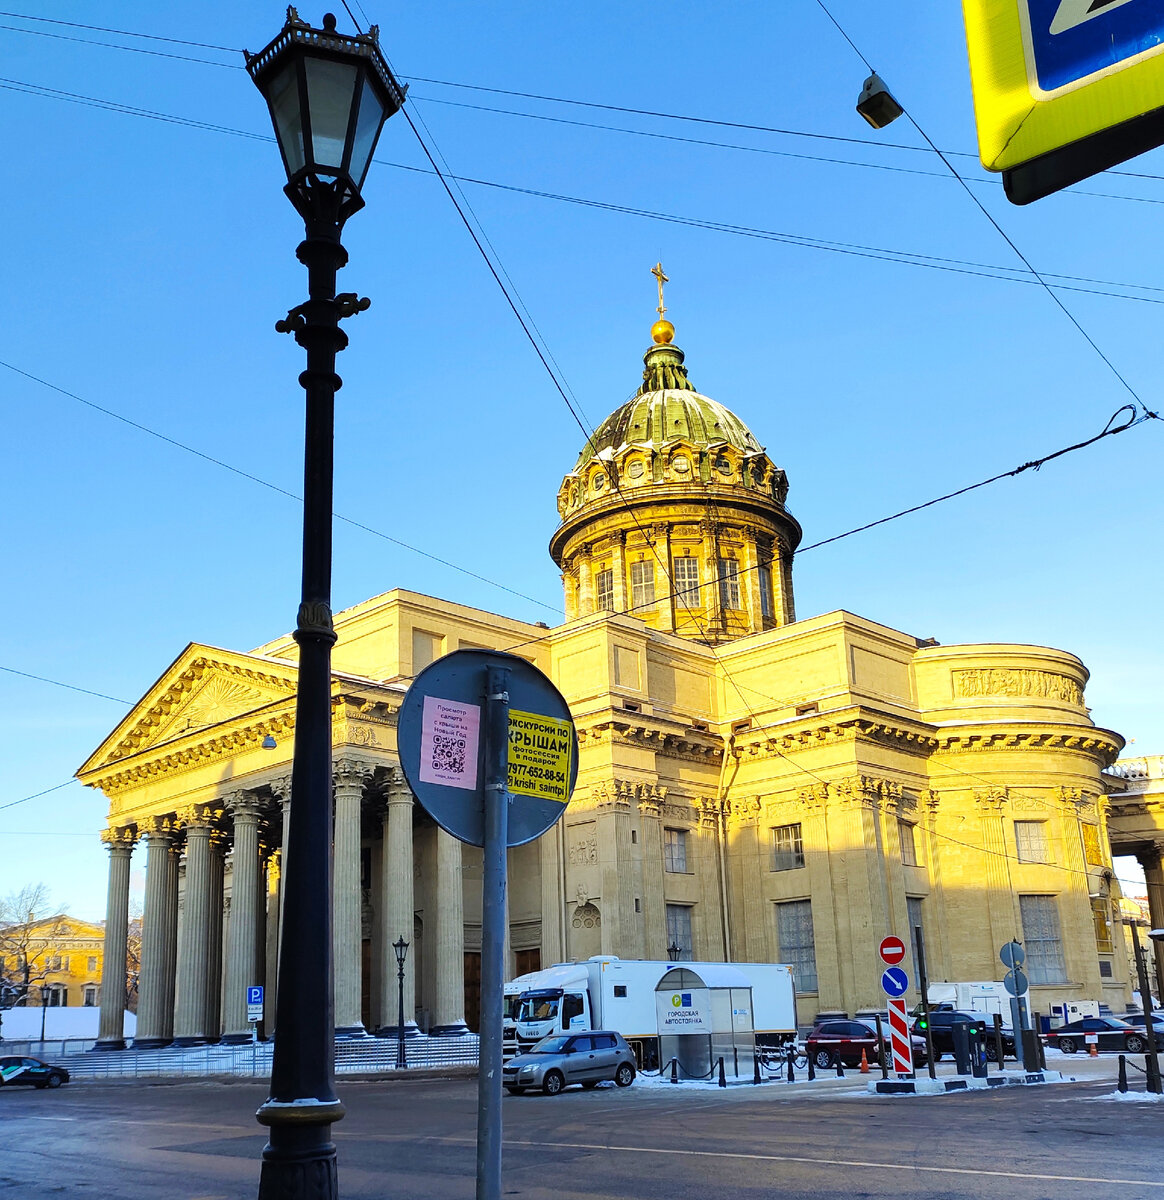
<point x="923" y="1023"/>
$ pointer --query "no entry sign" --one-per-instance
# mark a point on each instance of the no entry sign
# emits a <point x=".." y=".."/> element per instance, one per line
<point x="892" y="950"/>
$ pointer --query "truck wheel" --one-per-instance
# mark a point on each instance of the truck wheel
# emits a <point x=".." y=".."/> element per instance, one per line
<point x="553" y="1083"/>
<point x="1067" y="1045"/>
<point x="515" y="1091"/>
<point x="1135" y="1044"/>
<point x="822" y="1058"/>
<point x="625" y="1075"/>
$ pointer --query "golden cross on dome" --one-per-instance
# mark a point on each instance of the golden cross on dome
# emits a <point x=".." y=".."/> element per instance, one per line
<point x="657" y="271"/>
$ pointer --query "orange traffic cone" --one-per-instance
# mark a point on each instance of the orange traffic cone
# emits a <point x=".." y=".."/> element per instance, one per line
<point x="864" y="1064"/>
<point x="1093" y="1050"/>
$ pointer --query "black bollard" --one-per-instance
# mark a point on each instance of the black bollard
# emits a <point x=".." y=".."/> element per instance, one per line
<point x="722" y="1074"/>
<point x="1122" y="1085"/>
<point x="840" y="1070"/>
<point x="755" y="1068"/>
<point x="674" y="1070"/>
<point x="791" y="1072"/>
<point x="811" y="1069"/>
<point x="736" y="1060"/>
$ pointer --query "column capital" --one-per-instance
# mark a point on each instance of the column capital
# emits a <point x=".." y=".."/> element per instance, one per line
<point x="281" y="788"/>
<point x="397" y="790"/>
<point x="119" y="837"/>
<point x="157" y="828"/>
<point x="351" y="773"/>
<point x="243" y="806"/>
<point x="197" y="816"/>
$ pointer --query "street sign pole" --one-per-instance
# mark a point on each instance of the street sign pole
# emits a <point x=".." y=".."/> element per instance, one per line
<point x="496" y="764"/>
<point x="924" y="984"/>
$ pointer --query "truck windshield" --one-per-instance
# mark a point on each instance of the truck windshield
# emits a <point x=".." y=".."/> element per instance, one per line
<point x="538" y="1008"/>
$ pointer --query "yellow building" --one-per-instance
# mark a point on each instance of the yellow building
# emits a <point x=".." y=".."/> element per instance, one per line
<point x="55" y="961"/>
<point x="751" y="786"/>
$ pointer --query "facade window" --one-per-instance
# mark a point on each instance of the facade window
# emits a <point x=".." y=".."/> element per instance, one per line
<point x="913" y="908"/>
<point x="729" y="583"/>
<point x="787" y="848"/>
<point x="89" y="996"/>
<point x="604" y="590"/>
<point x="1092" y="850"/>
<point x="1044" y="944"/>
<point x="675" y="850"/>
<point x="794" y="935"/>
<point x="766" y="593"/>
<point x="1031" y="841"/>
<point x="1103" y="942"/>
<point x="642" y="583"/>
<point x="54" y="962"/>
<point x="92" y="962"/>
<point x="679" y="930"/>
<point x="908" y="844"/>
<point x="687" y="581"/>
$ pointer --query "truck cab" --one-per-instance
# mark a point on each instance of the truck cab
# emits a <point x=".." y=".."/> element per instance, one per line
<point x="544" y="1011"/>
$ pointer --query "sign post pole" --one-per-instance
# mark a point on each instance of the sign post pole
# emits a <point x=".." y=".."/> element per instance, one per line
<point x="924" y="986"/>
<point x="496" y="764"/>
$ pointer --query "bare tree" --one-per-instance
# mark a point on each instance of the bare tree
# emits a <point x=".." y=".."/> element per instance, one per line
<point x="133" y="956"/>
<point x="29" y="938"/>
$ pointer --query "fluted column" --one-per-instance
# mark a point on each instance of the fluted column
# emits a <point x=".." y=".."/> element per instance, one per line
<point x="618" y="573"/>
<point x="170" y="969"/>
<point x="190" y="1015"/>
<point x="347" y="928"/>
<point x="153" y="992"/>
<point x="111" y="1034"/>
<point x="242" y="948"/>
<point x="399" y="907"/>
<point x="585" y="582"/>
<point x="449" y="1006"/>
<point x="217" y="918"/>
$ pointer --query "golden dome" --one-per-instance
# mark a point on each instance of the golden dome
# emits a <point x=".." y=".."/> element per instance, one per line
<point x="662" y="332"/>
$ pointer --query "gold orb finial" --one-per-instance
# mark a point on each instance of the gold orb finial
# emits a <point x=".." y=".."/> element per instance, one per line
<point x="662" y="332"/>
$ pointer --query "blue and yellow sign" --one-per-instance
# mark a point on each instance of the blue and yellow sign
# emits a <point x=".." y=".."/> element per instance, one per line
<point x="1064" y="88"/>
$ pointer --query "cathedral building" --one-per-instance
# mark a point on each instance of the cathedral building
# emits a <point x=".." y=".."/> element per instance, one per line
<point x="751" y="786"/>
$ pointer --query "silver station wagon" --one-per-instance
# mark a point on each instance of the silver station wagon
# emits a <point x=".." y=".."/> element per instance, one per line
<point x="587" y="1058"/>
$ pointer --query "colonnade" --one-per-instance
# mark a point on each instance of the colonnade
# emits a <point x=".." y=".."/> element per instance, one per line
<point x="192" y="986"/>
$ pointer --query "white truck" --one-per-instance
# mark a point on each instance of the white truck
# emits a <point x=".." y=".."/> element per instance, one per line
<point x="986" y="997"/>
<point x="605" y="992"/>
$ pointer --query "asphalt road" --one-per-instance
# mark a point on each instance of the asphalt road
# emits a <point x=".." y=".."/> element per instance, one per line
<point x="416" y="1138"/>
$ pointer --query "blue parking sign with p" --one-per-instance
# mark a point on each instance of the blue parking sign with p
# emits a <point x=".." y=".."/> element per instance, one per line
<point x="255" y="1002"/>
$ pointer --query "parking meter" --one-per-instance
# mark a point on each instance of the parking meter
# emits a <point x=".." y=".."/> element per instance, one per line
<point x="960" y="1032"/>
<point x="978" y="1049"/>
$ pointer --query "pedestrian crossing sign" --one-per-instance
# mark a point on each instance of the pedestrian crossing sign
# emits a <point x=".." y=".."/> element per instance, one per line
<point x="1064" y="88"/>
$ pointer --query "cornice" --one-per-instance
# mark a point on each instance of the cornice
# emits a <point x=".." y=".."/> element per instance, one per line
<point x="689" y="747"/>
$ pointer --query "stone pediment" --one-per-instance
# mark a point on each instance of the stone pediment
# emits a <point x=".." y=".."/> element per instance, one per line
<point x="205" y="688"/>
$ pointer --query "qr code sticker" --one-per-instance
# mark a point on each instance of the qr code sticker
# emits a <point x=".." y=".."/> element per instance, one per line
<point x="448" y="754"/>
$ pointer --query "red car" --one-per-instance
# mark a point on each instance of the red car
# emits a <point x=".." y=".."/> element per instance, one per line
<point x="834" y="1041"/>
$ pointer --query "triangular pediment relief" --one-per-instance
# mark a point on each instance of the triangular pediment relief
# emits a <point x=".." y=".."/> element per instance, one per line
<point x="203" y="690"/>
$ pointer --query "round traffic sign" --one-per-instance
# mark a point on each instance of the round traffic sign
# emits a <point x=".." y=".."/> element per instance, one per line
<point x="894" y="982"/>
<point x="440" y="738"/>
<point x="1016" y="982"/>
<point x="892" y="950"/>
<point x="1012" y="954"/>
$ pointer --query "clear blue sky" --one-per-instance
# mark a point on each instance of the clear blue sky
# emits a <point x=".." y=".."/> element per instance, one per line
<point x="146" y="261"/>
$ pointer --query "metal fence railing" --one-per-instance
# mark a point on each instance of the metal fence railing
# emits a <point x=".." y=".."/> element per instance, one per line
<point x="49" y="1048"/>
<point x="353" y="1056"/>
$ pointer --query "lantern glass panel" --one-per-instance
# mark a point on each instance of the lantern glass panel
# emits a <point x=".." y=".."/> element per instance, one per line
<point x="368" y="125"/>
<point x="331" y="88"/>
<point x="288" y="117"/>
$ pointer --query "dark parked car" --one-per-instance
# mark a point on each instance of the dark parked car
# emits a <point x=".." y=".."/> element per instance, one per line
<point x="561" y="1059"/>
<point x="942" y="1023"/>
<point x="1140" y="1021"/>
<point x="1111" y="1034"/>
<point x="831" y="1042"/>
<point x="32" y="1071"/>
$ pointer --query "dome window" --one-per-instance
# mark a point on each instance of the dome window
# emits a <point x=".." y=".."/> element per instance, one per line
<point x="635" y="470"/>
<point x="723" y="465"/>
<point x="598" y="482"/>
<point x="680" y="465"/>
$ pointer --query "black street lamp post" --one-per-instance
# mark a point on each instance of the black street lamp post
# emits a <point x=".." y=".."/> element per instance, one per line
<point x="329" y="95"/>
<point x="674" y="950"/>
<point x="401" y="948"/>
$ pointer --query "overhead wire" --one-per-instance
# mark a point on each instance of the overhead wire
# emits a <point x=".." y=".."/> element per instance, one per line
<point x="274" y="487"/>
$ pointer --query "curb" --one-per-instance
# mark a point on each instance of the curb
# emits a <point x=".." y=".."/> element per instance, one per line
<point x="939" y="1087"/>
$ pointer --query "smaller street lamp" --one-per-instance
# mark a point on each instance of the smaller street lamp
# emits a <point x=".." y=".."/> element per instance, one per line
<point x="45" y="992"/>
<point x="673" y="951"/>
<point x="401" y="948"/>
